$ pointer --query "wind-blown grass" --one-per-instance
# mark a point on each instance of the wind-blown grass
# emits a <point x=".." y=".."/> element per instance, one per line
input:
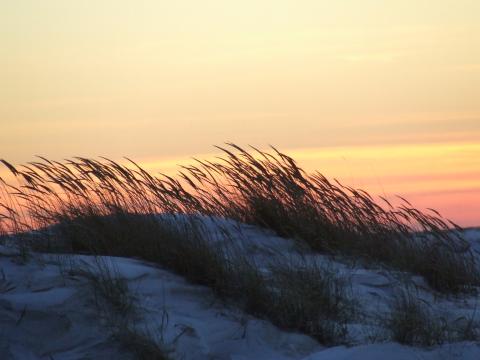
<point x="102" y="207"/>
<point x="263" y="188"/>
<point x="270" y="190"/>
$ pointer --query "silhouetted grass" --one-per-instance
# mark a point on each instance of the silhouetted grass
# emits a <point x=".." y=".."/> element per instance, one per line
<point x="266" y="189"/>
<point x="270" y="190"/>
<point x="102" y="207"/>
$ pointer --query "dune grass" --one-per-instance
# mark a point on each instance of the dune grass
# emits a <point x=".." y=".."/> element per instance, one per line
<point x="102" y="207"/>
<point x="308" y="299"/>
<point x="262" y="188"/>
<point x="412" y="321"/>
<point x="117" y="307"/>
<point x="270" y="190"/>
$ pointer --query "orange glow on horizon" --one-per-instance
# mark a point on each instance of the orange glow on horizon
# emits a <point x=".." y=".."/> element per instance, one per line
<point x="443" y="176"/>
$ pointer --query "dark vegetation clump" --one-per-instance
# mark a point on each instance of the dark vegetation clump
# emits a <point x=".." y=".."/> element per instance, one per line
<point x="412" y="321"/>
<point x="270" y="190"/>
<point x="313" y="299"/>
<point x="309" y="299"/>
<point x="117" y="307"/>
<point x="102" y="207"/>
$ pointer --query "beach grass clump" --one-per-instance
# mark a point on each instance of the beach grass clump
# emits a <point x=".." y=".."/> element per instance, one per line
<point x="270" y="190"/>
<point x="267" y="189"/>
<point x="309" y="299"/>
<point x="313" y="299"/>
<point x="413" y="321"/>
<point x="118" y="308"/>
<point x="102" y="207"/>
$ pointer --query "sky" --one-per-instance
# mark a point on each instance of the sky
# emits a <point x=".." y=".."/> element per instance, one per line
<point x="381" y="94"/>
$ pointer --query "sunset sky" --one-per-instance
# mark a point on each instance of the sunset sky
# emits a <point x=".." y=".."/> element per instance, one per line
<point x="384" y="94"/>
